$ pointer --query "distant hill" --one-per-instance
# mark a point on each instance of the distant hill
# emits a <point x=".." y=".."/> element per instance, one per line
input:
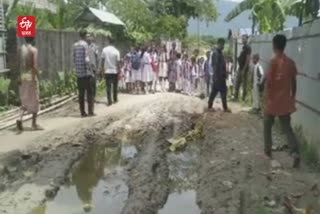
<point x="220" y="28"/>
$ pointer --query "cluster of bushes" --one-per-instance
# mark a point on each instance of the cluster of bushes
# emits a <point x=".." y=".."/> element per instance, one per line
<point x="64" y="84"/>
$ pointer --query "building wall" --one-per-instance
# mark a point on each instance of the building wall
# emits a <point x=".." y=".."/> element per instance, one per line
<point x="304" y="48"/>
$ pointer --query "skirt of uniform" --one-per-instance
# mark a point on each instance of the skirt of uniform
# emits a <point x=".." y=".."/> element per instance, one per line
<point x="136" y="75"/>
<point x="128" y="77"/>
<point x="147" y="73"/>
<point x="163" y="70"/>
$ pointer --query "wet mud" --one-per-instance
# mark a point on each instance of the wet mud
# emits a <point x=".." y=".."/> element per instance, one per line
<point x="119" y="163"/>
<point x="122" y="164"/>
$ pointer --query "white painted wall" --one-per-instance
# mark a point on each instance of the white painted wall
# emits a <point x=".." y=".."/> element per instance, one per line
<point x="303" y="47"/>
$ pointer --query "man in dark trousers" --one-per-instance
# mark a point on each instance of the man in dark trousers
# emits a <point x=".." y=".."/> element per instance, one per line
<point x="219" y="76"/>
<point x="110" y="62"/>
<point x="84" y="74"/>
<point x="281" y="86"/>
<point x="242" y="75"/>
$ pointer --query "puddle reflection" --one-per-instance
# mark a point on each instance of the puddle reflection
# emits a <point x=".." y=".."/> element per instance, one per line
<point x="184" y="202"/>
<point x="97" y="184"/>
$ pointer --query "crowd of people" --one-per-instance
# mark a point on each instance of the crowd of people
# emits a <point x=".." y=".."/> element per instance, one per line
<point x="149" y="68"/>
<point x="153" y="69"/>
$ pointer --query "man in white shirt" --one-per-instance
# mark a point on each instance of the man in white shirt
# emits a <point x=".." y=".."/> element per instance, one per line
<point x="110" y="62"/>
<point x="258" y="74"/>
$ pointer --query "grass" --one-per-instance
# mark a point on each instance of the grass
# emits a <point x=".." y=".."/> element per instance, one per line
<point x="264" y="210"/>
<point x="309" y="151"/>
<point x="101" y="88"/>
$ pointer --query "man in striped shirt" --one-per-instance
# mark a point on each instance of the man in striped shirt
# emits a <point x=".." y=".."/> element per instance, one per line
<point x="84" y="74"/>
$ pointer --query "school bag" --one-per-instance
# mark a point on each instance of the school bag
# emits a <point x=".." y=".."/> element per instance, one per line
<point x="136" y="61"/>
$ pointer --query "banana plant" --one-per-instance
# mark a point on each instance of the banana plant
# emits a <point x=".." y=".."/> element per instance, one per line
<point x="271" y="14"/>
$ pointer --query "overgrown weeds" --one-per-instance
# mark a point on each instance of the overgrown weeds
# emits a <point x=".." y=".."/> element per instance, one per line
<point x="309" y="151"/>
<point x="4" y="92"/>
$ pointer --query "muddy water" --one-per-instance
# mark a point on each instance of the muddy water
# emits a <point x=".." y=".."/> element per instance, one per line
<point x="183" y="202"/>
<point x="97" y="183"/>
<point x="183" y="176"/>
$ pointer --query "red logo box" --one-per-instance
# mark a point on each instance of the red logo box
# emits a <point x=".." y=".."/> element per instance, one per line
<point x="26" y="26"/>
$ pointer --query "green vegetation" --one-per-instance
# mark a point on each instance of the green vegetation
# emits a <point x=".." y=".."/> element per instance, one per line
<point x="270" y="15"/>
<point x="64" y="84"/>
<point x="4" y="93"/>
<point x="309" y="151"/>
<point x="145" y="20"/>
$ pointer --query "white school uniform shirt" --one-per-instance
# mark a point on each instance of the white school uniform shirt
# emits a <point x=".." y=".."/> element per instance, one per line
<point x="210" y="64"/>
<point x="258" y="74"/>
<point x="111" y="57"/>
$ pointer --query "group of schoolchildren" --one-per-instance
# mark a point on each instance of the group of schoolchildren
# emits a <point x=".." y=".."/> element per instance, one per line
<point x="150" y="69"/>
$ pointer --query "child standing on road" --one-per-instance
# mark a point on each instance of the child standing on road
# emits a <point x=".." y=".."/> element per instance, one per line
<point x="186" y="70"/>
<point x="280" y="98"/>
<point x="257" y="83"/>
<point x="128" y="73"/>
<point x="230" y="73"/>
<point x="194" y="72"/>
<point x="163" y="68"/>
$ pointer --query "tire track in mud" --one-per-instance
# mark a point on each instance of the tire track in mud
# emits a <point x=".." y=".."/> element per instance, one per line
<point x="149" y="180"/>
<point x="149" y="174"/>
<point x="148" y="177"/>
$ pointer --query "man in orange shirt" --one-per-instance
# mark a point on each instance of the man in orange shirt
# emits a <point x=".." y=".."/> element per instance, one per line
<point x="280" y="97"/>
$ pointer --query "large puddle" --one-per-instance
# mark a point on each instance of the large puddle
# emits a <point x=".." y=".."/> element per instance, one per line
<point x="97" y="183"/>
<point x="183" y="176"/>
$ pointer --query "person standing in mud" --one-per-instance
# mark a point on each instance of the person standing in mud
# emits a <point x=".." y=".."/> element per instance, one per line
<point x="94" y="61"/>
<point x="242" y="75"/>
<point x="110" y="66"/>
<point x="29" y="82"/>
<point x="219" y="76"/>
<point x="280" y="98"/>
<point x="84" y="74"/>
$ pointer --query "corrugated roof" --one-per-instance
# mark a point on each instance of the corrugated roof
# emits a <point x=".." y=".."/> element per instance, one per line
<point x="91" y="14"/>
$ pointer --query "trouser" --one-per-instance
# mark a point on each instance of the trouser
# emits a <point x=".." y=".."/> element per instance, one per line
<point x="112" y="87"/>
<point x="241" y="79"/>
<point x="85" y="88"/>
<point x="208" y="86"/>
<point x="172" y="86"/>
<point x="94" y="87"/>
<point x="285" y="122"/>
<point x="219" y="87"/>
<point x="256" y="97"/>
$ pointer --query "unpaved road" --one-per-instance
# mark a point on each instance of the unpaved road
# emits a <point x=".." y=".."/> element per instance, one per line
<point x="119" y="163"/>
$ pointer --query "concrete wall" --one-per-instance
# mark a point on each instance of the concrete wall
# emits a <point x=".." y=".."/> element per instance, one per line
<point x="303" y="47"/>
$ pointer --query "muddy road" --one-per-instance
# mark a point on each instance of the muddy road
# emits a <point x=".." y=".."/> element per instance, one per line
<point x="120" y="162"/>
